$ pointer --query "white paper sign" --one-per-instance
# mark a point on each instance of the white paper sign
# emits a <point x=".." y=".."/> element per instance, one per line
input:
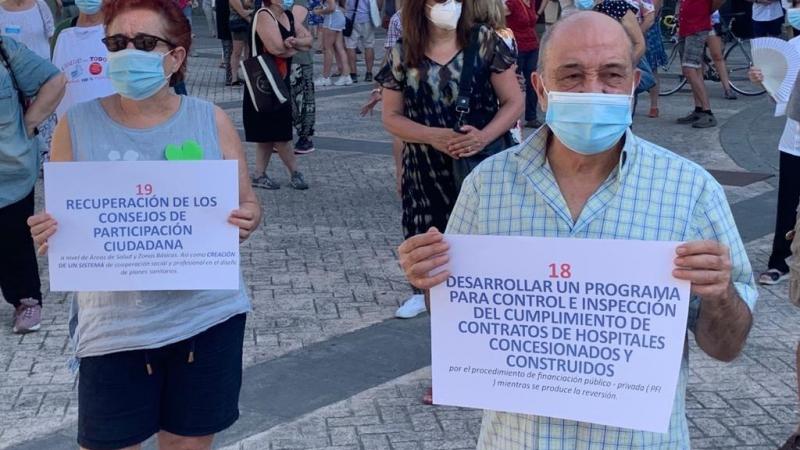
<point x="143" y="226"/>
<point x="580" y="329"/>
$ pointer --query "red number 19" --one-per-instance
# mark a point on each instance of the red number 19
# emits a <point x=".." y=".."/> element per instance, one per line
<point x="565" y="272"/>
<point x="144" y="189"/>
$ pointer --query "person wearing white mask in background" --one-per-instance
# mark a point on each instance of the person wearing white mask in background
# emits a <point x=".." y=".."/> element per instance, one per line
<point x="421" y="83"/>
<point x="586" y="175"/>
<point x="81" y="55"/>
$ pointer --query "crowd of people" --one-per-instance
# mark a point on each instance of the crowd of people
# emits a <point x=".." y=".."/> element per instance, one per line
<point x="460" y="82"/>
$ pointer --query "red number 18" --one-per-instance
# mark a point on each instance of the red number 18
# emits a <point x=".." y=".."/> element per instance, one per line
<point x="565" y="272"/>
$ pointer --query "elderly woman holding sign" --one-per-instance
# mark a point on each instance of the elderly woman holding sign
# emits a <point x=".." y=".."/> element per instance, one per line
<point x="166" y="362"/>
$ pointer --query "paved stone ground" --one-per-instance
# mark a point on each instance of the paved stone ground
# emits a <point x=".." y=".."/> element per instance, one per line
<point x="389" y="416"/>
<point x="323" y="264"/>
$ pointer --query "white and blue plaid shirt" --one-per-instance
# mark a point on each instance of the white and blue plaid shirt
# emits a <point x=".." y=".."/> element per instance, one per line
<point x="653" y="195"/>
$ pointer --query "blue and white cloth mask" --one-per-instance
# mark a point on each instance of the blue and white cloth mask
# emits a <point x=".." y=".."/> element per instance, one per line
<point x="588" y="123"/>
<point x="584" y="4"/>
<point x="137" y="74"/>
<point x="793" y="16"/>
<point x="89" y="6"/>
<point x="287" y="4"/>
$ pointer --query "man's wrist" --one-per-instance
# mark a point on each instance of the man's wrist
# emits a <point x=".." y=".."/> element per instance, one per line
<point x="726" y="303"/>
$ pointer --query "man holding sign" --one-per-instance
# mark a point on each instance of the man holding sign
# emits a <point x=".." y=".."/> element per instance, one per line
<point x="586" y="175"/>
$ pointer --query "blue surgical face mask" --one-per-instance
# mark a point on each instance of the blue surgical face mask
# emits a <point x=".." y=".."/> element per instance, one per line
<point x="287" y="4"/>
<point x="89" y="6"/>
<point x="588" y="123"/>
<point x="137" y="74"/>
<point x="793" y="16"/>
<point x="584" y="4"/>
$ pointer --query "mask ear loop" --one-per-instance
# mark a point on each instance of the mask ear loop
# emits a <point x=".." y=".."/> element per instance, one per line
<point x="633" y="88"/>
<point x="164" y="57"/>
<point x="546" y="91"/>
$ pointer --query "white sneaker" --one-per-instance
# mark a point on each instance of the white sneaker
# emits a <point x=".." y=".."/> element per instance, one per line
<point x="413" y="307"/>
<point x="344" y="80"/>
<point x="322" y="82"/>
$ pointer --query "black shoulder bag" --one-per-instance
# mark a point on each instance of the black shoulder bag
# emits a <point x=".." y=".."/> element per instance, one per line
<point x="463" y="166"/>
<point x="265" y="84"/>
<point x="349" y="22"/>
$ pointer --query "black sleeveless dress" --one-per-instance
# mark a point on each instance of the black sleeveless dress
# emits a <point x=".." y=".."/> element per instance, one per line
<point x="270" y="126"/>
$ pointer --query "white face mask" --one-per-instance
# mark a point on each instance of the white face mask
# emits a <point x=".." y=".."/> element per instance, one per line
<point x="445" y="15"/>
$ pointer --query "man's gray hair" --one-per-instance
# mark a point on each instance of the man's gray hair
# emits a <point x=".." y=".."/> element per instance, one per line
<point x="544" y="42"/>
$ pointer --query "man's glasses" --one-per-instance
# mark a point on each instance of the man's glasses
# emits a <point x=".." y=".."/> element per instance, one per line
<point x="141" y="41"/>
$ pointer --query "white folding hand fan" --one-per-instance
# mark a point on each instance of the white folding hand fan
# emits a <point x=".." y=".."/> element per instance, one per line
<point x="779" y="61"/>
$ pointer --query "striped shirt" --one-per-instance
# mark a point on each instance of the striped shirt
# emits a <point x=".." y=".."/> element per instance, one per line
<point x="652" y="195"/>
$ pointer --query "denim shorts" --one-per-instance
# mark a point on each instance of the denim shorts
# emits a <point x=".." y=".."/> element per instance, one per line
<point x="189" y="388"/>
<point x="334" y="21"/>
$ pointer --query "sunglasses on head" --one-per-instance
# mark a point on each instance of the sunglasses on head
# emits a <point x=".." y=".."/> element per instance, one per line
<point x="141" y="41"/>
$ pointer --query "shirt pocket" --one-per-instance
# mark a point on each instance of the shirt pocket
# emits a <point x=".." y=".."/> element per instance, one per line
<point x="9" y="104"/>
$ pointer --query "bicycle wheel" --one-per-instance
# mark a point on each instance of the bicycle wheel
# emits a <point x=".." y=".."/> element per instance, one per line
<point x="670" y="74"/>
<point x="738" y="62"/>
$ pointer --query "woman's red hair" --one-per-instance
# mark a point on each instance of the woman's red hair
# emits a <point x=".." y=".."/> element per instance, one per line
<point x="176" y="25"/>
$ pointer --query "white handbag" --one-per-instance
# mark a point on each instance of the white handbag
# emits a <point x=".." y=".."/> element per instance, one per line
<point x="375" y="13"/>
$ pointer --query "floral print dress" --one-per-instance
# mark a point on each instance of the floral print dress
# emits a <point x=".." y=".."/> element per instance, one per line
<point x="429" y="94"/>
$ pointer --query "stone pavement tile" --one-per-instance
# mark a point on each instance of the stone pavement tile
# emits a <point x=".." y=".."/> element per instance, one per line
<point x="323" y="263"/>
<point x="388" y="416"/>
<point x="700" y="145"/>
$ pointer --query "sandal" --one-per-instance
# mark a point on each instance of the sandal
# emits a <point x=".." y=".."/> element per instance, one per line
<point x="772" y="277"/>
<point x="427" y="399"/>
<point x="653" y="113"/>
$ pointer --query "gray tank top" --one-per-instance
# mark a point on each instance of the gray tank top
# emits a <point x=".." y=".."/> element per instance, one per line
<point x="111" y="322"/>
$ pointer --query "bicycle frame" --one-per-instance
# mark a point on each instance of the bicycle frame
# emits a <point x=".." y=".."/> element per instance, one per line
<point x="735" y="53"/>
